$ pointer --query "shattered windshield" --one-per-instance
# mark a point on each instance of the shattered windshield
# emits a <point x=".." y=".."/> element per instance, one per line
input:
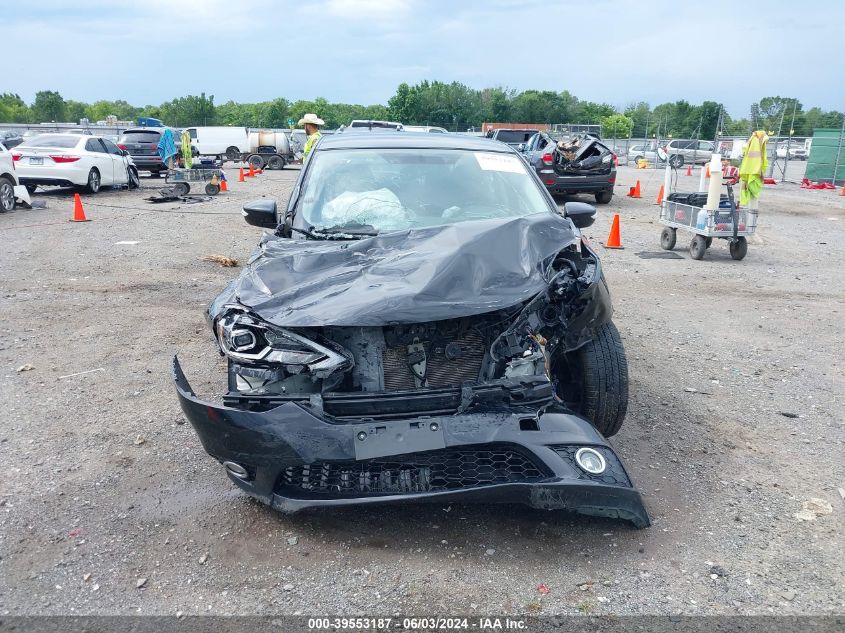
<point x="366" y="191"/>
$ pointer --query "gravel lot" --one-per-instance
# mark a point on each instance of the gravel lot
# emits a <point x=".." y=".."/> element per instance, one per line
<point x="108" y="504"/>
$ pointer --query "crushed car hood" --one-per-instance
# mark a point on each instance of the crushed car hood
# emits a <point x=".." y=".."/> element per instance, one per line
<point x="412" y="276"/>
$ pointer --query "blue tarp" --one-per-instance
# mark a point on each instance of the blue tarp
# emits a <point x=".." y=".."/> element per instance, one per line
<point x="166" y="145"/>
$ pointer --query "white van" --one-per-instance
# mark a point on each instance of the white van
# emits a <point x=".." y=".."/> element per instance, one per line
<point x="432" y="129"/>
<point x="230" y="142"/>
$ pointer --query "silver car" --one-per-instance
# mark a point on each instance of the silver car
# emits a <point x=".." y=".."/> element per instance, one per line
<point x="681" y="151"/>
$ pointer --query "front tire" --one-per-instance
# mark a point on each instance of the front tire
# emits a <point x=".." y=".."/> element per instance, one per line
<point x="593" y="380"/>
<point x="94" y="181"/>
<point x="676" y="161"/>
<point x="739" y="248"/>
<point x="604" y="197"/>
<point x="7" y="194"/>
<point x="697" y="247"/>
<point x="134" y="179"/>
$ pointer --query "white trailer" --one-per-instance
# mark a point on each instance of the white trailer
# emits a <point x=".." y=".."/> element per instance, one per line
<point x="220" y="141"/>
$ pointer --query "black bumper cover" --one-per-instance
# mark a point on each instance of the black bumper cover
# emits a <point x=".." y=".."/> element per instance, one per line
<point x="290" y="436"/>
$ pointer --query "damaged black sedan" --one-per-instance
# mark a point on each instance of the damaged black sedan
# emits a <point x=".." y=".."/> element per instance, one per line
<point x="423" y="324"/>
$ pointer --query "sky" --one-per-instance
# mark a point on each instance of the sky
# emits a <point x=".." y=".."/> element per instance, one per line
<point x="359" y="51"/>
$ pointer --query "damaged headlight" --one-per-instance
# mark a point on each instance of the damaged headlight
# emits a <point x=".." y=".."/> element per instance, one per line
<point x="246" y="339"/>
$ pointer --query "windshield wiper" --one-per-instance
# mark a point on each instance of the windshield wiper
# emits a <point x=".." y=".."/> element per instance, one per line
<point x="305" y="232"/>
<point x="345" y="231"/>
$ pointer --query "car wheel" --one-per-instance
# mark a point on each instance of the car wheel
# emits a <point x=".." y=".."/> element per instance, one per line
<point x="233" y="153"/>
<point x="676" y="160"/>
<point x="134" y="178"/>
<point x="593" y="381"/>
<point x="93" y="181"/>
<point x="603" y="197"/>
<point x="668" y="238"/>
<point x="739" y="248"/>
<point x="256" y="161"/>
<point x="698" y="247"/>
<point x="7" y="194"/>
<point x="276" y="162"/>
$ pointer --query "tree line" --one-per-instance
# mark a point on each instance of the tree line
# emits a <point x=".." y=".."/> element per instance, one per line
<point x="454" y="106"/>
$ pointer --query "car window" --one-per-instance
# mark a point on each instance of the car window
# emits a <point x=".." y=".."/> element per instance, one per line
<point x="141" y="136"/>
<point x="399" y="189"/>
<point x="94" y="145"/>
<point x="513" y="136"/>
<point x="705" y="146"/>
<point x="193" y="133"/>
<point x="53" y="140"/>
<point x="111" y="148"/>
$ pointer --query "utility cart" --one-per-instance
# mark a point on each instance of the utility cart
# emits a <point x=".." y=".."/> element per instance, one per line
<point x="685" y="212"/>
<point x="181" y="180"/>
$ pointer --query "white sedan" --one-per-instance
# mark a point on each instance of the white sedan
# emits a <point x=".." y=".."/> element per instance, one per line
<point x="73" y="160"/>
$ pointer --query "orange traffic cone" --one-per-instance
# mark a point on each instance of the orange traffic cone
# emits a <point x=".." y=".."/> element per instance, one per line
<point x="78" y="210"/>
<point x="689" y="170"/>
<point x="707" y="174"/>
<point x="635" y="191"/>
<point x="251" y="173"/>
<point x="241" y="175"/>
<point x="223" y="185"/>
<point x="843" y="191"/>
<point x="614" y="240"/>
<point x="660" y="196"/>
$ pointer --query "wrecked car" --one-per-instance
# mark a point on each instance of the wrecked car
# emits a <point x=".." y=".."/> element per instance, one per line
<point x="582" y="164"/>
<point x="422" y="323"/>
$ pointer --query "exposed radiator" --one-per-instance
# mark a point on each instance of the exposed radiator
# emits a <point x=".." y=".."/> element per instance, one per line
<point x="448" y="363"/>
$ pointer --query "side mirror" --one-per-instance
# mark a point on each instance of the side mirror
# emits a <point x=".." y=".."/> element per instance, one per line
<point x="581" y="213"/>
<point x="261" y="213"/>
<point x="520" y="147"/>
<point x="124" y="152"/>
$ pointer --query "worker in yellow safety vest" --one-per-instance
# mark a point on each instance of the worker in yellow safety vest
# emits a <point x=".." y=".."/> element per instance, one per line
<point x="312" y="124"/>
<point x="754" y="165"/>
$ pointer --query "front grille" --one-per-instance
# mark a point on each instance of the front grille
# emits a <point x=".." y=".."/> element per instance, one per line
<point x="441" y="370"/>
<point x="431" y="471"/>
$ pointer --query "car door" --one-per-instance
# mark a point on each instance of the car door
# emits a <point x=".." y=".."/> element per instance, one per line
<point x="99" y="158"/>
<point x="121" y="173"/>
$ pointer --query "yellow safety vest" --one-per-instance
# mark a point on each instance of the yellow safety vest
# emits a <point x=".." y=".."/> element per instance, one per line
<point x="309" y="143"/>
<point x="754" y="159"/>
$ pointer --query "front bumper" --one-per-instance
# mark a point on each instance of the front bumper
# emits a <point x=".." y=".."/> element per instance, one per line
<point x="291" y="459"/>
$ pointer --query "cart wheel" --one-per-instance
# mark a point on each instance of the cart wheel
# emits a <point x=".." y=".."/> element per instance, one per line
<point x="698" y="247"/>
<point x="668" y="237"/>
<point x="709" y="242"/>
<point x="181" y="189"/>
<point x="739" y="248"/>
<point x="212" y="190"/>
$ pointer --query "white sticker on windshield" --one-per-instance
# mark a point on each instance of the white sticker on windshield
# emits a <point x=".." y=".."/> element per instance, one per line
<point x="499" y="162"/>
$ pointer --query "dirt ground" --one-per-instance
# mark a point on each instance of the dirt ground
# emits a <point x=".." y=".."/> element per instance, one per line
<point x="108" y="504"/>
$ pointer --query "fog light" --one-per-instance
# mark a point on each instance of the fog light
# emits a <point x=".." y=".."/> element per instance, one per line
<point x="236" y="470"/>
<point x="590" y="460"/>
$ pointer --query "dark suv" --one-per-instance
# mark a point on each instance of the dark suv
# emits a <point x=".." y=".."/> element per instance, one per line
<point x="142" y="145"/>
